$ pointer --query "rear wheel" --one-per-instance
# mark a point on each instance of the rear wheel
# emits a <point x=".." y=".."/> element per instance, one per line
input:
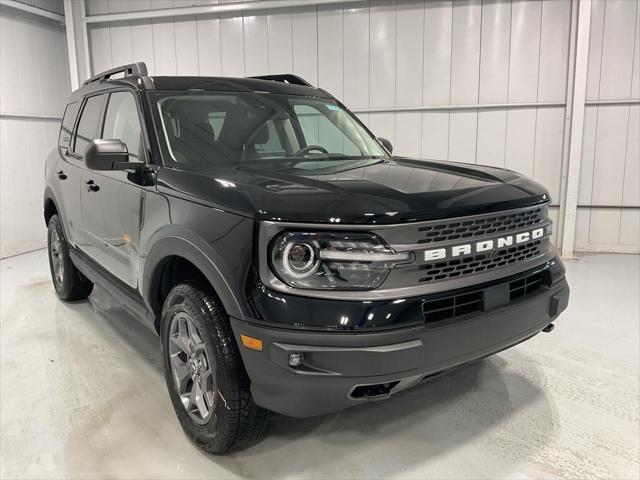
<point x="68" y="282"/>
<point x="207" y="383"/>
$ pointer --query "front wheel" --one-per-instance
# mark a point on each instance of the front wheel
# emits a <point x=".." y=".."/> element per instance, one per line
<point x="207" y="383"/>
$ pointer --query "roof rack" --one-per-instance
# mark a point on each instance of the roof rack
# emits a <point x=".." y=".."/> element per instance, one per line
<point x="285" y="78"/>
<point x="137" y="69"/>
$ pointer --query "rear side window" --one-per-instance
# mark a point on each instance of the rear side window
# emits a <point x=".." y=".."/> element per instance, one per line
<point x="69" y="119"/>
<point x="89" y="124"/>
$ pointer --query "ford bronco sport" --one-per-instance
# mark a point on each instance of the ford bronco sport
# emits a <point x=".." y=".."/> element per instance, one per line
<point x="287" y="261"/>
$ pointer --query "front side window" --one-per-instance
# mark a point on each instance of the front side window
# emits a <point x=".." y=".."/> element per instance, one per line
<point x="209" y="129"/>
<point x="89" y="124"/>
<point x="69" y="119"/>
<point x="122" y="122"/>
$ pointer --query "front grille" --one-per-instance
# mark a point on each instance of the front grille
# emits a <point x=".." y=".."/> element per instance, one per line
<point x="479" y="227"/>
<point x="454" y="306"/>
<point x="480" y="263"/>
<point x="470" y="302"/>
<point x="524" y="286"/>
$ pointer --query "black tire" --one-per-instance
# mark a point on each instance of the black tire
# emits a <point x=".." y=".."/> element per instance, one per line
<point x="234" y="420"/>
<point x="68" y="282"/>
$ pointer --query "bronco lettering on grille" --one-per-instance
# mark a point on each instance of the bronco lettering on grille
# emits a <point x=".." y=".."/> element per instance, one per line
<point x="483" y="245"/>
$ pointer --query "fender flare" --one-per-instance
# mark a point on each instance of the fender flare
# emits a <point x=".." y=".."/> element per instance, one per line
<point x="199" y="253"/>
<point x="49" y="196"/>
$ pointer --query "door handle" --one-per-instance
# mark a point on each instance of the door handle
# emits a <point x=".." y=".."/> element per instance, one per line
<point x="61" y="175"/>
<point x="92" y="187"/>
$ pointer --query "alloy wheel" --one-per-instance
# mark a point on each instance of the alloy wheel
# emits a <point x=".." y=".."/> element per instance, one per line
<point x="56" y="257"/>
<point x="191" y="368"/>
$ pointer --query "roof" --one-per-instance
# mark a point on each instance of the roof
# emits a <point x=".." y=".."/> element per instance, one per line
<point x="135" y="75"/>
<point x="230" y="84"/>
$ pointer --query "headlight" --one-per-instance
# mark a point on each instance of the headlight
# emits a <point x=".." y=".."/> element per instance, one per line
<point x="333" y="260"/>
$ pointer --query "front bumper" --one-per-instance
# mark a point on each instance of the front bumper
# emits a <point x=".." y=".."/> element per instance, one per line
<point x="343" y="369"/>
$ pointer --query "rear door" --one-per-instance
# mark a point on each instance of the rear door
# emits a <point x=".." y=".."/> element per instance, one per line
<point x="112" y="200"/>
<point x="68" y="175"/>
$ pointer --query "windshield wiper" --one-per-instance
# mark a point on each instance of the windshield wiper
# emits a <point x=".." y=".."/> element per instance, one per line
<point x="333" y="157"/>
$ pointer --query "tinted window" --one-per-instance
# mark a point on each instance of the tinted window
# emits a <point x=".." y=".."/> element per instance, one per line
<point x="89" y="125"/>
<point x="66" y="129"/>
<point x="122" y="122"/>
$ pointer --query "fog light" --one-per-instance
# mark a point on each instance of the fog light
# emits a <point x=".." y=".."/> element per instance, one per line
<point x="295" y="359"/>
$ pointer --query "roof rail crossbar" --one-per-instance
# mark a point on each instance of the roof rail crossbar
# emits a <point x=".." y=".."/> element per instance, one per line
<point x="138" y="69"/>
<point x="285" y="78"/>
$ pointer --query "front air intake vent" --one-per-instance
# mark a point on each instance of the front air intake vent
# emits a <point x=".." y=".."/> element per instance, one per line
<point x="472" y="301"/>
<point x="480" y="263"/>
<point x="529" y="284"/>
<point x="453" y="306"/>
<point x="482" y="227"/>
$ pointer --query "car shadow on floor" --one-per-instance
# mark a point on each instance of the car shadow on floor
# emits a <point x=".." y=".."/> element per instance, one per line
<point x="418" y="425"/>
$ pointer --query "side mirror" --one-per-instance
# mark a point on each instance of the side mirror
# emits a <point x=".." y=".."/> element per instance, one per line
<point x="107" y="155"/>
<point x="386" y="144"/>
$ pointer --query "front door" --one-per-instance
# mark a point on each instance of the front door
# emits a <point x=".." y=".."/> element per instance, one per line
<point x="112" y="200"/>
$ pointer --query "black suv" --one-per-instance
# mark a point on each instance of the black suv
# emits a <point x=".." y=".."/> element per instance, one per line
<point x="286" y="259"/>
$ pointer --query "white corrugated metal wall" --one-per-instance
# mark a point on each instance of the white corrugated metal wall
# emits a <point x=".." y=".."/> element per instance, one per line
<point x="396" y="56"/>
<point x="433" y="77"/>
<point x="34" y="85"/>
<point x="610" y="173"/>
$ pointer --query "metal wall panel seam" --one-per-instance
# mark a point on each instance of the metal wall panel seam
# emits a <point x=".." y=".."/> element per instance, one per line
<point x="475" y="157"/>
<point x="535" y="124"/>
<point x="195" y="21"/>
<point x="626" y="143"/>
<point x="395" y="76"/>
<point x="593" y="167"/>
<point x="450" y="76"/>
<point x="506" y="116"/>
<point x="424" y="30"/>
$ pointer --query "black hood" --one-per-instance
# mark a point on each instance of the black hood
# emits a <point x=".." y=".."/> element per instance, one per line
<point x="384" y="191"/>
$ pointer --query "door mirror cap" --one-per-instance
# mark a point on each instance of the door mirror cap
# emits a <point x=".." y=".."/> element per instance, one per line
<point x="386" y="144"/>
<point x="103" y="154"/>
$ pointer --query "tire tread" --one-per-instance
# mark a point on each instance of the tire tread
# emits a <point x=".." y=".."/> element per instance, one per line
<point x="75" y="285"/>
<point x="244" y="422"/>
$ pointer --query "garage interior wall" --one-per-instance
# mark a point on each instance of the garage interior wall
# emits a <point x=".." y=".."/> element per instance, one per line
<point x="471" y="81"/>
<point x="610" y="167"/>
<point x="34" y="85"/>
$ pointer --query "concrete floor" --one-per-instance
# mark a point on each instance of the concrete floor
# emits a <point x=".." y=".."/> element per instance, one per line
<point x="83" y="396"/>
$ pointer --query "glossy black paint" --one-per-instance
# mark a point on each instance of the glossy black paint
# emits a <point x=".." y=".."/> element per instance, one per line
<point x="337" y="362"/>
<point x="390" y="191"/>
<point x="105" y="155"/>
<point x="295" y="312"/>
<point x="129" y="227"/>
<point x="135" y="222"/>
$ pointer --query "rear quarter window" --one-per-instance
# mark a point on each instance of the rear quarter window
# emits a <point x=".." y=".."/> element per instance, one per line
<point x="68" y="120"/>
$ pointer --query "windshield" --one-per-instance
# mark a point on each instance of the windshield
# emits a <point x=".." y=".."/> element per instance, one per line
<point x="206" y="129"/>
